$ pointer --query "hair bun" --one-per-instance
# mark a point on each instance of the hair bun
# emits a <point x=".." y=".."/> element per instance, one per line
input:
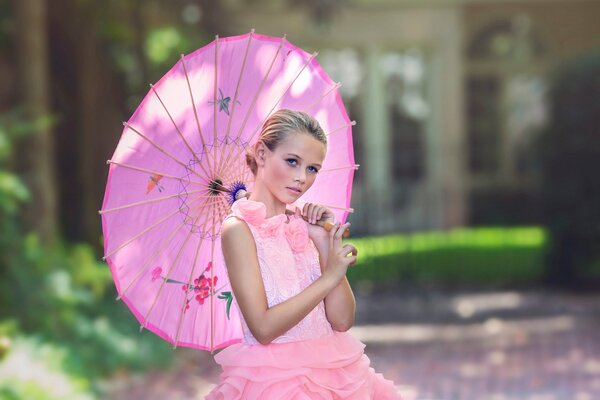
<point x="251" y="160"/>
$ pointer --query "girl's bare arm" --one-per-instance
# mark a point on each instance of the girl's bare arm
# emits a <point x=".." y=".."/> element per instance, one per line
<point x="340" y="304"/>
<point x="241" y="259"/>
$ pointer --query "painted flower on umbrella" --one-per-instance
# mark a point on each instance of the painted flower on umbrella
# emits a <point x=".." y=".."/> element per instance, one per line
<point x="156" y="273"/>
<point x="202" y="288"/>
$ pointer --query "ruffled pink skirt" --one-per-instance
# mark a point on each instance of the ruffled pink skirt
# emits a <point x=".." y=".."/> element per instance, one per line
<point x="330" y="367"/>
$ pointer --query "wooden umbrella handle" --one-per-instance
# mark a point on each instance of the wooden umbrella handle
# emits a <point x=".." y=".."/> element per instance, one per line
<point x="325" y="225"/>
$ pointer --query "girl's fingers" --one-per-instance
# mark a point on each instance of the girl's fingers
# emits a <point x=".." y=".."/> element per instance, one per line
<point x="315" y="214"/>
<point x="341" y="229"/>
<point x="349" y="248"/>
<point x="320" y="213"/>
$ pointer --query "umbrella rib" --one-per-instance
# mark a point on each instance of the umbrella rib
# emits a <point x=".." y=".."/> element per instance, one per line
<point x="189" y="235"/>
<point x="313" y="55"/>
<point x="352" y="123"/>
<point x="161" y="247"/>
<point x="179" y="131"/>
<point x="237" y="89"/>
<point x="350" y="210"/>
<point x="215" y="101"/>
<point x="187" y="79"/>
<point x="142" y="232"/>
<point x="212" y="279"/>
<point x="149" y="201"/>
<point x="253" y="103"/>
<point x="153" y="172"/>
<point x="196" y="314"/>
<point x="182" y="310"/>
<point x="354" y="167"/>
<point x="336" y="86"/>
<point x="178" y="161"/>
<point x="230" y="174"/>
<point x="183" y="304"/>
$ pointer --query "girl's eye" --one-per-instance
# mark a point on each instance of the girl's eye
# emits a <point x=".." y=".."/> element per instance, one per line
<point x="314" y="170"/>
<point x="291" y="161"/>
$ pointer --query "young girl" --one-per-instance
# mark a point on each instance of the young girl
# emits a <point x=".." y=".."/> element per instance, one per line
<point x="288" y="278"/>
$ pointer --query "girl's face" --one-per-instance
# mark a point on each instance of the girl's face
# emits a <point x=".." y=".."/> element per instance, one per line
<point x="291" y="169"/>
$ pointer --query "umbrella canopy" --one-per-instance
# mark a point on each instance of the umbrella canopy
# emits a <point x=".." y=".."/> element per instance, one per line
<point x="179" y="164"/>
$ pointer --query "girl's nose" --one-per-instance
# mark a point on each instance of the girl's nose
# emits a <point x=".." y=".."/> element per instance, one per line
<point x="301" y="177"/>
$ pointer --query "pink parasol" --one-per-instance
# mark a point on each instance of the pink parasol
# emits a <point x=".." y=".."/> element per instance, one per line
<point x="180" y="164"/>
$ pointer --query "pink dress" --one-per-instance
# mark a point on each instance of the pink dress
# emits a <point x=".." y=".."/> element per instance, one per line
<point x="311" y="360"/>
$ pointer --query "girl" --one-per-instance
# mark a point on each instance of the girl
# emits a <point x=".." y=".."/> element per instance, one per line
<point x="288" y="278"/>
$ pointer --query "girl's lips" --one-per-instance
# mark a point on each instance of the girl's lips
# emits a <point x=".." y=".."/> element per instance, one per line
<point x="295" y="191"/>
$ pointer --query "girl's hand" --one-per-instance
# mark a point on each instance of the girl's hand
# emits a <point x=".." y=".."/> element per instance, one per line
<point x="340" y="257"/>
<point x="313" y="213"/>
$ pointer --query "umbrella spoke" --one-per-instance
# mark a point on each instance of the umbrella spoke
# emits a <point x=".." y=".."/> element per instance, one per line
<point x="260" y="87"/>
<point x="336" y="86"/>
<point x="215" y="81"/>
<point x="153" y="172"/>
<point x="184" y="302"/>
<point x="237" y="89"/>
<point x="165" y="242"/>
<point x="354" y="167"/>
<point x="179" y="131"/>
<point x="187" y="79"/>
<point x="350" y="210"/>
<point x="149" y="201"/>
<point x="236" y="168"/>
<point x="154" y="225"/>
<point x="178" y="161"/>
<point x="189" y="235"/>
<point x="312" y="56"/>
<point x="352" y="123"/>
<point x="212" y="298"/>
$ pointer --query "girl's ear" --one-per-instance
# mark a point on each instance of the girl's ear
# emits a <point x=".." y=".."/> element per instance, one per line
<point x="259" y="152"/>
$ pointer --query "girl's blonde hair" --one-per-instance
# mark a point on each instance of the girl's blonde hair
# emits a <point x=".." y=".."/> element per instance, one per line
<point x="279" y="126"/>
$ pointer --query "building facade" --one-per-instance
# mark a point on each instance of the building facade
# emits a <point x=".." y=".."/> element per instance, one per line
<point x="448" y="96"/>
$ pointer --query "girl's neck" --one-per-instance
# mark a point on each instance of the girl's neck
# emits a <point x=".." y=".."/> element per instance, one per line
<point x="262" y="194"/>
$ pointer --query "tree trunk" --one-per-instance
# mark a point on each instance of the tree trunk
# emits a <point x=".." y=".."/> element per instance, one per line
<point x="90" y="99"/>
<point x="35" y="154"/>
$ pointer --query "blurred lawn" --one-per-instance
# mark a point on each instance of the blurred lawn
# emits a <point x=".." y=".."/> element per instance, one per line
<point x="477" y="256"/>
<point x="83" y="336"/>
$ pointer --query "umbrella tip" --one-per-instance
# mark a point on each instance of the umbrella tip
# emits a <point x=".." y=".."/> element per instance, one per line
<point x="104" y="258"/>
<point x="252" y="31"/>
<point x="141" y="328"/>
<point x="124" y="123"/>
<point x="353" y="123"/>
<point x="151" y="85"/>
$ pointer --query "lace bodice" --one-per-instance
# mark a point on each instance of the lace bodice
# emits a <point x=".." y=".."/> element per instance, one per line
<point x="289" y="262"/>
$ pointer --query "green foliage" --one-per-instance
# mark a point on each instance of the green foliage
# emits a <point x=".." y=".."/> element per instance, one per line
<point x="57" y="309"/>
<point x="481" y="256"/>
<point x="570" y="160"/>
<point x="34" y="370"/>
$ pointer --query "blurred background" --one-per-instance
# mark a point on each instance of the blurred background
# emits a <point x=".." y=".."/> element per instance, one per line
<point x="477" y="200"/>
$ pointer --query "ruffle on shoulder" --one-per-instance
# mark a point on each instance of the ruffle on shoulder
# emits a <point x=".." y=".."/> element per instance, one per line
<point x="255" y="213"/>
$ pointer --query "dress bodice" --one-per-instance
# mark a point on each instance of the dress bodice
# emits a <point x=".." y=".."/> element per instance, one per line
<point x="288" y="261"/>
